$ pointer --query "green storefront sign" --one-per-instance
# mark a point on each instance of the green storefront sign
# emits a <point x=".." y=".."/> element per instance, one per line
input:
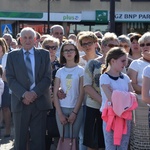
<point x="21" y="15"/>
<point x="101" y="16"/>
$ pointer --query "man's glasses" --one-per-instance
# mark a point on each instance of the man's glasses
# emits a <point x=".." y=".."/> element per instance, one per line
<point x="142" y="45"/>
<point x="68" y="51"/>
<point x="112" y="45"/>
<point x="50" y="47"/>
<point x="87" y="44"/>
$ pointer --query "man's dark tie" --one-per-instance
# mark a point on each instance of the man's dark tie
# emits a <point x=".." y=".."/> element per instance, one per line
<point x="29" y="67"/>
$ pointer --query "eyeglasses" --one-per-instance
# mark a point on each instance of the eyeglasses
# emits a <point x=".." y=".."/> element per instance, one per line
<point x="112" y="45"/>
<point x="50" y="47"/>
<point x="142" y="45"/>
<point x="68" y="51"/>
<point x="125" y="46"/>
<point x="87" y="44"/>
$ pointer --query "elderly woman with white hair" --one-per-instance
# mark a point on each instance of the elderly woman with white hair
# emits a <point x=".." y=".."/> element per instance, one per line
<point x="126" y="44"/>
<point x="140" y="129"/>
<point x="51" y="44"/>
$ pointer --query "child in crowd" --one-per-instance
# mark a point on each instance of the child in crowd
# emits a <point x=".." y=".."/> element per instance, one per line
<point x="1" y="91"/>
<point x="113" y="82"/>
<point x="69" y="78"/>
<point x="1" y="85"/>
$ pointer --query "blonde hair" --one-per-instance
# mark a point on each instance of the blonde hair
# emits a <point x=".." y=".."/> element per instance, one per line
<point x="50" y="39"/>
<point x="87" y="35"/>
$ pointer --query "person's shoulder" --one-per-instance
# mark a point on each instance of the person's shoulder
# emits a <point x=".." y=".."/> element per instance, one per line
<point x="14" y="52"/>
<point x="60" y="69"/>
<point x="41" y="50"/>
<point x="104" y="78"/>
<point x="134" y="63"/>
<point x="80" y="67"/>
<point x="139" y="60"/>
<point x="104" y="75"/>
<point x="5" y="55"/>
<point x="93" y="61"/>
<point x="147" y="69"/>
<point x="125" y="76"/>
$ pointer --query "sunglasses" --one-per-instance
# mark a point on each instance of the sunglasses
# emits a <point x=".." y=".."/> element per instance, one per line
<point x="50" y="47"/>
<point x="125" y="46"/>
<point x="142" y="45"/>
<point x="87" y="44"/>
<point x="68" y="51"/>
<point x="112" y="45"/>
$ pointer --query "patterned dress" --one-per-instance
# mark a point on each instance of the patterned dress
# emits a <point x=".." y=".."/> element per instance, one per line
<point x="55" y="66"/>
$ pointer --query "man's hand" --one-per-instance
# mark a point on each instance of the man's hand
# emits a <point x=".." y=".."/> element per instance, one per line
<point x="30" y="96"/>
<point x="25" y="101"/>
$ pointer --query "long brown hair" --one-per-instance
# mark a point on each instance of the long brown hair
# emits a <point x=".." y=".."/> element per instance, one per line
<point x="62" y="58"/>
<point x="113" y="53"/>
<point x="4" y="45"/>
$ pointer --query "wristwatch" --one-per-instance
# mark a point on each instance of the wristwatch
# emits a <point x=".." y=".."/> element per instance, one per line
<point x="109" y="103"/>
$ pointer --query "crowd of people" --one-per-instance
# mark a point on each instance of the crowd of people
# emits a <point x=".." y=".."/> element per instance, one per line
<point x="95" y="87"/>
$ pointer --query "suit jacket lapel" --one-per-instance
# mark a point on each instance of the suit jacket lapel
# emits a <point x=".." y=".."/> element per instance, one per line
<point x="21" y="62"/>
<point x="37" y="58"/>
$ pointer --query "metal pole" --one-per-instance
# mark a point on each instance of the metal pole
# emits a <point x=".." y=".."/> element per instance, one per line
<point x="48" y="17"/>
<point x="112" y="16"/>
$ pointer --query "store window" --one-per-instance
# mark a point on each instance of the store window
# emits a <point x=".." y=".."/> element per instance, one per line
<point x="138" y="27"/>
<point x="102" y="28"/>
<point x="76" y="28"/>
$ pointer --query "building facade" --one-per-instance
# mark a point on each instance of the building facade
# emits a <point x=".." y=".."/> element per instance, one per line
<point x="74" y="15"/>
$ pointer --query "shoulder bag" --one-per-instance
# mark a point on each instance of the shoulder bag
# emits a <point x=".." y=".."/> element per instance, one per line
<point x="67" y="143"/>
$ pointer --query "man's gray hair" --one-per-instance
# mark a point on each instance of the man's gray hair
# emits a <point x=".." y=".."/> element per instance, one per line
<point x="27" y="29"/>
<point x="56" y="26"/>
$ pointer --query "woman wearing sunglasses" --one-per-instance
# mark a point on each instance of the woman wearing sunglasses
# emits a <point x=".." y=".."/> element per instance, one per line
<point x="140" y="130"/>
<point x="51" y="44"/>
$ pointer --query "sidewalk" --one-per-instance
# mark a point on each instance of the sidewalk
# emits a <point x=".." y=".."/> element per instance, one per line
<point x="7" y="143"/>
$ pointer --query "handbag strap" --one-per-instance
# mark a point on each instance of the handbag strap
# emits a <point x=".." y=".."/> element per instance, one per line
<point x="71" y="132"/>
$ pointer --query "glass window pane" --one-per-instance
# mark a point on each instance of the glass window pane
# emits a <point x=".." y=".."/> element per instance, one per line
<point x="102" y="28"/>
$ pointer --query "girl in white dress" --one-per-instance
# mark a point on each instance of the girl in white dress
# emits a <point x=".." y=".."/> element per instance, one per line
<point x="113" y="79"/>
<point x="70" y="79"/>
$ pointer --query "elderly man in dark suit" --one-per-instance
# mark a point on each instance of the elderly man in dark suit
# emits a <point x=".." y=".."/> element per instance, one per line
<point x="28" y="74"/>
